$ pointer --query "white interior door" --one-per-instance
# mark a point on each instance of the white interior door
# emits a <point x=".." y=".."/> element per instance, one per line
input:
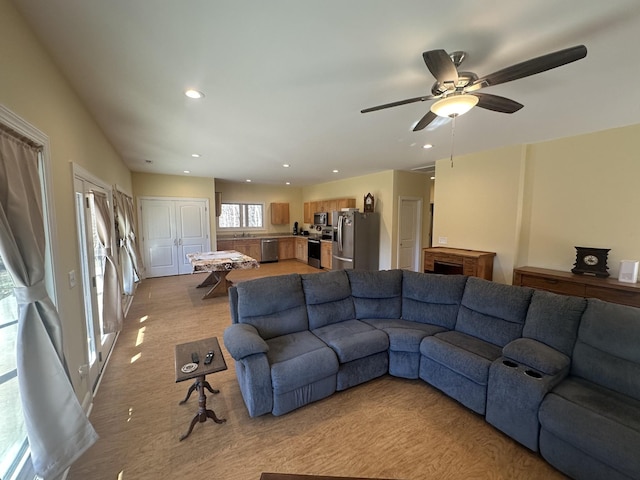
<point x="159" y="237"/>
<point x="409" y="228"/>
<point x="171" y="229"/>
<point x="192" y="219"/>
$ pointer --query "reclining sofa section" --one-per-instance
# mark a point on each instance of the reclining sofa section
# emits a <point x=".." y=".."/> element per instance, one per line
<point x="559" y="374"/>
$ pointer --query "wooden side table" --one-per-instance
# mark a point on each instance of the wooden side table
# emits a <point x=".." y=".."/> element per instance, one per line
<point x="474" y="263"/>
<point x="183" y="356"/>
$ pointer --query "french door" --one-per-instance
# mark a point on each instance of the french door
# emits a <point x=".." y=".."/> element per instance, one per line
<point x="91" y="277"/>
<point x="172" y="228"/>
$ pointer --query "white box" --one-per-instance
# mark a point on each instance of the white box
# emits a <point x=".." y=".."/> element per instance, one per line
<point x="628" y="271"/>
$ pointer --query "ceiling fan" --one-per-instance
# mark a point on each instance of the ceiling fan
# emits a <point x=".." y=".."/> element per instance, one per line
<point x="457" y="90"/>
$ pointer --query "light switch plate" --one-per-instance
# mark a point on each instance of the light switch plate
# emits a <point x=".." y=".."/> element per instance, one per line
<point x="72" y="278"/>
<point x="442" y="240"/>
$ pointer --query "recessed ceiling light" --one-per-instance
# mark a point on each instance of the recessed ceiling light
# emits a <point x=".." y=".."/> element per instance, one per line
<point x="287" y="183"/>
<point x="335" y="171"/>
<point x="187" y="171"/>
<point x="248" y="180"/>
<point x="191" y="93"/>
<point x="427" y="146"/>
<point x="433" y="178"/>
<point x="286" y="165"/>
<point x="195" y="155"/>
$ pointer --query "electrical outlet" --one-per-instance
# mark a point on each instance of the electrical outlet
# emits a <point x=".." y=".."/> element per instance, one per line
<point x="442" y="240"/>
<point x="72" y="278"/>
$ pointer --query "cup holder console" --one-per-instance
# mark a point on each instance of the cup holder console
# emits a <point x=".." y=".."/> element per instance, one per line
<point x="527" y="371"/>
<point x="533" y="374"/>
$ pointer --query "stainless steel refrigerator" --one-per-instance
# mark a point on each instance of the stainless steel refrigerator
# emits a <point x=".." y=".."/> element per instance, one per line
<point x="356" y="240"/>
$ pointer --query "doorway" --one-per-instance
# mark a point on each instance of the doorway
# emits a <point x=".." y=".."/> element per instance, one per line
<point x="172" y="228"/>
<point x="91" y="277"/>
<point x="409" y="233"/>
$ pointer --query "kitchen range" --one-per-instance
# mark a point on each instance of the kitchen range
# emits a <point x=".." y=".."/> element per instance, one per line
<point x="314" y="249"/>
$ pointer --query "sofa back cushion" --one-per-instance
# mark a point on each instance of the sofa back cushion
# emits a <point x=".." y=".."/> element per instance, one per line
<point x="432" y="298"/>
<point x="492" y="311"/>
<point x="328" y="298"/>
<point x="376" y="294"/>
<point x="607" y="351"/>
<point x="274" y="305"/>
<point x="554" y="319"/>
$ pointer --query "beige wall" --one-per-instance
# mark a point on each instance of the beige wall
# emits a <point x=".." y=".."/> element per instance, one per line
<point x="243" y="192"/>
<point x="477" y="205"/>
<point x="582" y="191"/>
<point x="32" y="87"/>
<point x="532" y="204"/>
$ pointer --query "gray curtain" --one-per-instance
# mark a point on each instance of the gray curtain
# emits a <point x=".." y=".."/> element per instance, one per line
<point x="130" y="261"/>
<point x="57" y="427"/>
<point x="112" y="313"/>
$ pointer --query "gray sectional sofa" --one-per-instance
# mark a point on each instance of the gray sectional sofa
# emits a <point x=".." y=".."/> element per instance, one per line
<point x="559" y="374"/>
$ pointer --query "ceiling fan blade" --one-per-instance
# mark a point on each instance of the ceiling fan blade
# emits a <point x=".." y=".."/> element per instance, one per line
<point x="395" y="104"/>
<point x="441" y="66"/>
<point x="496" y="103"/>
<point x="424" y="121"/>
<point x="530" y="67"/>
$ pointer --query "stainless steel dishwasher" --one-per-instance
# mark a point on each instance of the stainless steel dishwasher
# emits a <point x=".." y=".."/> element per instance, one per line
<point x="269" y="250"/>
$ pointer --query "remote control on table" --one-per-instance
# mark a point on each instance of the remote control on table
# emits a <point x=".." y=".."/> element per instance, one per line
<point x="195" y="358"/>
<point x="208" y="358"/>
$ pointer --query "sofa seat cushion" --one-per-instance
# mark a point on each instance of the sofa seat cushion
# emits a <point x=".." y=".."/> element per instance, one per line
<point x="299" y="359"/>
<point x="598" y="421"/>
<point x="353" y="339"/>
<point x="462" y="353"/>
<point x="404" y="335"/>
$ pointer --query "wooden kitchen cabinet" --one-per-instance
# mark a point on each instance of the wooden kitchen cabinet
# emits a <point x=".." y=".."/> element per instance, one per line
<point x="279" y="213"/>
<point x="567" y="283"/>
<point x="328" y="206"/>
<point x="247" y="246"/>
<point x="326" y="254"/>
<point x="302" y="249"/>
<point x="473" y="263"/>
<point x="286" y="248"/>
<point x="225" y="245"/>
<point x="307" y="214"/>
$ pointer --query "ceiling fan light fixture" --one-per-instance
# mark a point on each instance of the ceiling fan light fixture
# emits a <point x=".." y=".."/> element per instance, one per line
<point x="454" y="105"/>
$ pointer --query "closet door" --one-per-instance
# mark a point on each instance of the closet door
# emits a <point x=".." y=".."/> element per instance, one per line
<point x="192" y="220"/>
<point x="171" y="229"/>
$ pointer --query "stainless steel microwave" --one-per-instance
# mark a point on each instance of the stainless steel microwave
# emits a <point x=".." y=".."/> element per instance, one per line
<point x="320" y="218"/>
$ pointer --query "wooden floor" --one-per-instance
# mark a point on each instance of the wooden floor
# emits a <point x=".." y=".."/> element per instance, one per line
<point x="389" y="427"/>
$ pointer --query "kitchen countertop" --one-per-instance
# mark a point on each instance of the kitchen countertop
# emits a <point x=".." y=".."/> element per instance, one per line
<point x="264" y="236"/>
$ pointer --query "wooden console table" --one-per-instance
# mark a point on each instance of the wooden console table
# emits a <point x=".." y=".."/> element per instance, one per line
<point x="568" y="283"/>
<point x="473" y="263"/>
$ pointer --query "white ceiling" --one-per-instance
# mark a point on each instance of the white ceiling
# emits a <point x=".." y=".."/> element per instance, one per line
<point x="285" y="80"/>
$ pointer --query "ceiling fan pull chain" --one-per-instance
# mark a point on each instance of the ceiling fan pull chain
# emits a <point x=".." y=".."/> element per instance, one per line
<point x="453" y="129"/>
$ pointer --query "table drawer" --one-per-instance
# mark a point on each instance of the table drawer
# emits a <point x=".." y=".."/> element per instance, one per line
<point x="553" y="285"/>
<point x="616" y="296"/>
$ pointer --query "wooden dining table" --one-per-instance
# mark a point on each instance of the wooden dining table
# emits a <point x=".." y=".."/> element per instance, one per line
<point x="219" y="264"/>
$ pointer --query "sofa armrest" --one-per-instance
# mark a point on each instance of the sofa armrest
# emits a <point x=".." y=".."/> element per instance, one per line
<point x="242" y="340"/>
<point x="536" y="355"/>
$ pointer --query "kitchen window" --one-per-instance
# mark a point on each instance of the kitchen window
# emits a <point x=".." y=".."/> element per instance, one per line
<point x="241" y="216"/>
